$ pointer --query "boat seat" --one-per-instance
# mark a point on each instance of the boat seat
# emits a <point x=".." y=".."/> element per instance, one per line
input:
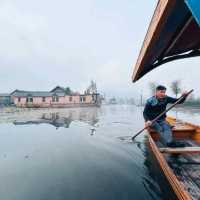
<point x="178" y="129"/>
<point x="181" y="150"/>
<point x="183" y="128"/>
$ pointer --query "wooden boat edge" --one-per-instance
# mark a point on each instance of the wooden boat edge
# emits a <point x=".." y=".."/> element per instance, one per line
<point x="176" y="185"/>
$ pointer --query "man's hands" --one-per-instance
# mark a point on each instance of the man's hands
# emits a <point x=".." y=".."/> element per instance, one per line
<point x="148" y="123"/>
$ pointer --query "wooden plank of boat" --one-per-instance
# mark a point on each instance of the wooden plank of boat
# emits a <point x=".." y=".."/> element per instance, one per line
<point x="191" y="150"/>
<point x="183" y="127"/>
<point x="184" y="188"/>
<point x="181" y="130"/>
<point x="176" y="185"/>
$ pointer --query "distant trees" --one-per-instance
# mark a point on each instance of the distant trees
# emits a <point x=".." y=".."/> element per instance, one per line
<point x="68" y="91"/>
<point x="192" y="101"/>
<point x="121" y="101"/>
<point x="152" y="87"/>
<point x="131" y="101"/>
<point x="112" y="100"/>
<point x="176" y="87"/>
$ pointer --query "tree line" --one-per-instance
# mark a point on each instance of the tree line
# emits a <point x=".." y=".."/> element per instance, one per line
<point x="176" y="88"/>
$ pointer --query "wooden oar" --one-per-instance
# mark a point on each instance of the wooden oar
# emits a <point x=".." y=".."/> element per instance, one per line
<point x="161" y="114"/>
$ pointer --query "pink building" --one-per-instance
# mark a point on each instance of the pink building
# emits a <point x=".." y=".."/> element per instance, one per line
<point x="58" y="97"/>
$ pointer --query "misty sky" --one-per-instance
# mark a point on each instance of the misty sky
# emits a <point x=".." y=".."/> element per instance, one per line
<point x="68" y="43"/>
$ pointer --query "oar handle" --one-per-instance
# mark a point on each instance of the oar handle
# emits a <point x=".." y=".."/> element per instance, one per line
<point x="183" y="96"/>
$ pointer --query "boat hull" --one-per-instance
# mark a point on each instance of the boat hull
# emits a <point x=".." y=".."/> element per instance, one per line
<point x="181" y="131"/>
<point x="165" y="172"/>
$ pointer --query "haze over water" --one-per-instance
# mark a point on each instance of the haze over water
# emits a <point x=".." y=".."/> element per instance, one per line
<point x="79" y="153"/>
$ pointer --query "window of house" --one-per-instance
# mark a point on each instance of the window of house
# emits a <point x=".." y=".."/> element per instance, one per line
<point x="55" y="99"/>
<point x="19" y="99"/>
<point x="70" y="98"/>
<point x="29" y="99"/>
<point x="82" y="99"/>
<point x="43" y="99"/>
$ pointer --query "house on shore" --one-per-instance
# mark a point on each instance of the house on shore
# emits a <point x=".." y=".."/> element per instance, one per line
<point x="5" y="99"/>
<point x="58" y="97"/>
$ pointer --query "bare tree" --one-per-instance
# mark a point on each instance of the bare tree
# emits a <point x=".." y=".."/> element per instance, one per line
<point x="176" y="87"/>
<point x="152" y="87"/>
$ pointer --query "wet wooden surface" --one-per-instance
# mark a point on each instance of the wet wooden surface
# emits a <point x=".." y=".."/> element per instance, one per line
<point x="181" y="150"/>
<point x="187" y="169"/>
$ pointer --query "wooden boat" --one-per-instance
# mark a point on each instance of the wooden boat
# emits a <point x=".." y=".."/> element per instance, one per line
<point x="174" y="34"/>
<point x="184" y="188"/>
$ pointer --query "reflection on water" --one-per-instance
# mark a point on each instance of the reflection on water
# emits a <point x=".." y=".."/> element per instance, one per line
<point x="39" y="161"/>
<point x="58" y="118"/>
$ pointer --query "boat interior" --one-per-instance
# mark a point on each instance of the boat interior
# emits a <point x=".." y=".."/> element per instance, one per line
<point x="184" y="161"/>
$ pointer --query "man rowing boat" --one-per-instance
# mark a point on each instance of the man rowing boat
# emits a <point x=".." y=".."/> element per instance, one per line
<point x="154" y="106"/>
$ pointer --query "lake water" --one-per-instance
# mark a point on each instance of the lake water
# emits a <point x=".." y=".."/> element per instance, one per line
<point x="76" y="154"/>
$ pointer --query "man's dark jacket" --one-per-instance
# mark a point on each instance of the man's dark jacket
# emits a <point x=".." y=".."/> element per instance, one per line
<point x="155" y="106"/>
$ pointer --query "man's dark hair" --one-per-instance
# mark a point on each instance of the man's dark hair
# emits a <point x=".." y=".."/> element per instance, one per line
<point x="161" y="87"/>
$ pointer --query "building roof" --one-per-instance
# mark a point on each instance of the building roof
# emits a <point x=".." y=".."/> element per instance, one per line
<point x="4" y="95"/>
<point x="172" y="34"/>
<point x="22" y="93"/>
<point x="58" y="89"/>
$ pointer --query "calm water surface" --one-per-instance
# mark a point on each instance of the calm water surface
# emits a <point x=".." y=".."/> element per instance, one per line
<point x="76" y="154"/>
